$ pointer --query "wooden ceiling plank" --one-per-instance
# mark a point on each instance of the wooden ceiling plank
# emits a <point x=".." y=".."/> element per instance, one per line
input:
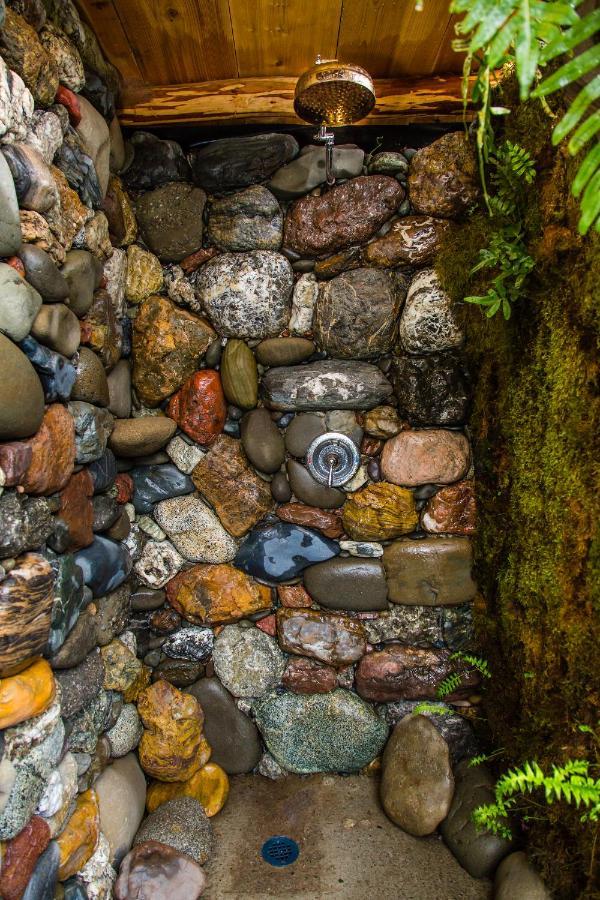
<point x="390" y="38"/>
<point x="448" y="60"/>
<point x="283" y="37"/>
<point x="270" y="101"/>
<point x="103" y="18"/>
<point x="180" y="40"/>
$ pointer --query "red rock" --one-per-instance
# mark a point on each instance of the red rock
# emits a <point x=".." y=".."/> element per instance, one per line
<point x="52" y="453"/>
<point x="192" y="262"/>
<point x="268" y="625"/>
<point x="124" y="486"/>
<point x="20" y="856"/>
<point x="293" y="596"/>
<point x="76" y="509"/>
<point x="349" y="213"/>
<point x="199" y="407"/>
<point x="327" y="522"/>
<point x="411" y="241"/>
<point x="452" y="510"/>
<point x="308" y="676"/>
<point x="426" y="456"/>
<point x="399" y="672"/>
<point x="15" y="458"/>
<point x="70" y="101"/>
<point x="15" y="263"/>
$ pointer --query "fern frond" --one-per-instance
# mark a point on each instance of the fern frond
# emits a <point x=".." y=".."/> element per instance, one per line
<point x="434" y="709"/>
<point x="448" y="685"/>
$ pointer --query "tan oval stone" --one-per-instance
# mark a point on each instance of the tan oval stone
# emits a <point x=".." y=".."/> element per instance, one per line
<point x="239" y="374"/>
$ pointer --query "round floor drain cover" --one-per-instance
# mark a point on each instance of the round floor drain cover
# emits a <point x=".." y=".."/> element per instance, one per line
<point x="280" y="851"/>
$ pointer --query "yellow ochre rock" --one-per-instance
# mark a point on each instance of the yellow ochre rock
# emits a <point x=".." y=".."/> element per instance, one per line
<point x="27" y="694"/>
<point x="209" y="786"/>
<point x="380" y="512"/>
<point x="79" y="837"/>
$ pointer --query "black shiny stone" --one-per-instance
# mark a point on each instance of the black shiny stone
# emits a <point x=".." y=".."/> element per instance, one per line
<point x="105" y="565"/>
<point x="55" y="371"/>
<point x="79" y="170"/>
<point x="156" y="162"/>
<point x="431" y="390"/>
<point x="42" y="883"/>
<point x="103" y="471"/>
<point x="154" y="483"/>
<point x="99" y="94"/>
<point x="279" y="552"/>
<point x="106" y="512"/>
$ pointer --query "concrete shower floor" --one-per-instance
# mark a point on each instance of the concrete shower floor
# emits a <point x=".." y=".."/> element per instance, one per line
<point x="348" y="847"/>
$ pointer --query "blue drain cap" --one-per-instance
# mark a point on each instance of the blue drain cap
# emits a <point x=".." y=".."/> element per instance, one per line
<point x="280" y="851"/>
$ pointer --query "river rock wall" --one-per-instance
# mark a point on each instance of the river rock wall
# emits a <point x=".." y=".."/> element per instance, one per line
<point x="180" y="600"/>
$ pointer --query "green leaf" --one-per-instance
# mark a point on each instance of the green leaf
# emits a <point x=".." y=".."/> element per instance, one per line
<point x="590" y="205"/>
<point x="581" y="64"/>
<point x="527" y="50"/>
<point x="584" y="133"/>
<point x="576" y="110"/>
<point x="568" y="40"/>
<point x="488" y="26"/>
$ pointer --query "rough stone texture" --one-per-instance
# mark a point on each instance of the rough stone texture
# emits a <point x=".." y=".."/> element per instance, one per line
<point x="250" y="220"/>
<point x="122" y="225"/>
<point x="199" y="407"/>
<point x="225" y="464"/>
<point x="121" y="791"/>
<point x="516" y="877"/>
<point x="181" y="824"/>
<point x="216" y="594"/>
<point x="247" y="295"/>
<point x="353" y="584"/>
<point x="431" y="390"/>
<point x="18" y="419"/>
<point x="195" y="530"/>
<point x="170" y="220"/>
<point x="417" y="783"/>
<point x="443" y="179"/>
<point x="184" y="453"/>
<point x="380" y="512"/>
<point x="348" y="214"/>
<point x="293" y="596"/>
<point x="79" y="837"/>
<point x="144" y="274"/>
<point x="424" y="626"/>
<point x="20" y="856"/>
<point x="27" y="523"/>
<point x="240" y="161"/>
<point x="155" y="162"/>
<point x="306" y="291"/>
<point x="158" y="563"/>
<point x="479" y="852"/>
<point x="92" y="429"/>
<point x="326" y="384"/>
<point x="428" y="456"/>
<point x="167" y="344"/>
<point x="247" y="661"/>
<point x="275" y="552"/>
<point x="233" y="737"/>
<point x="452" y="510"/>
<point x="23" y="52"/>
<point x="172" y="747"/>
<point x="356" y="313"/>
<point x="333" y="732"/>
<point x="331" y="638"/>
<point x="408" y="673"/>
<point x="411" y="241"/>
<point x="156" y="871"/>
<point x="431" y="572"/>
<point x="307" y="676"/>
<point x="53" y="453"/>
<point x="428" y="323"/>
<point x="328" y="523"/>
<point x="308" y="171"/>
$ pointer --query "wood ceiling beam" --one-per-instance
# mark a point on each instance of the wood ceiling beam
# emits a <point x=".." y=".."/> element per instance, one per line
<point x="268" y="101"/>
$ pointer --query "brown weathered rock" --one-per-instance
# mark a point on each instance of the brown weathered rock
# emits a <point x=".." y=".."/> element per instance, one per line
<point x="122" y="226"/>
<point x="156" y="871"/>
<point x="216" y="594"/>
<point x="452" y="510"/>
<point x="68" y="217"/>
<point x="380" y="512"/>
<point x="431" y="572"/>
<point x="52" y="453"/>
<point x="172" y="747"/>
<point x="331" y="638"/>
<point x="167" y="344"/>
<point x="443" y="179"/>
<point x="224" y="465"/>
<point x="399" y="672"/>
<point x="417" y="783"/>
<point x="293" y="596"/>
<point x="26" y="600"/>
<point x="77" y="511"/>
<point x="349" y="214"/>
<point x="144" y="274"/>
<point x="340" y="262"/>
<point x="308" y="676"/>
<point x="411" y="241"/>
<point x="357" y="312"/>
<point x="35" y="230"/>
<point x="101" y="330"/>
<point x="15" y="458"/>
<point x="382" y="422"/>
<point x="328" y="523"/>
<point x="20" y="856"/>
<point x="142" y="436"/>
<point x="24" y="54"/>
<point x="427" y="456"/>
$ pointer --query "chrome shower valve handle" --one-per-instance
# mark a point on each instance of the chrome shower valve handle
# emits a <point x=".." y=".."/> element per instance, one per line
<point x="332" y="458"/>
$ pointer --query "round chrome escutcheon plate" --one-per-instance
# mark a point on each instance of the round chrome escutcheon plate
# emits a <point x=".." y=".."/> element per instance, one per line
<point x="332" y="458"/>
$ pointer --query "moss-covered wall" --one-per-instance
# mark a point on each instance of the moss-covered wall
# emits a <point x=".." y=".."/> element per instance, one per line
<point x="535" y="424"/>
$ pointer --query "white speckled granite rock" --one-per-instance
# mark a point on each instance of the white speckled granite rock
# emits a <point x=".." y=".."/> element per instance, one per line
<point x="247" y="661"/>
<point x="428" y="323"/>
<point x="158" y="563"/>
<point x="195" y="530"/>
<point x="306" y="291"/>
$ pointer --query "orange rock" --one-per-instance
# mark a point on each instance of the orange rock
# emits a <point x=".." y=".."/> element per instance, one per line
<point x="52" y="453"/>
<point x="172" y="747"/>
<point x="77" y="511"/>
<point x="380" y="512"/>
<point x="209" y="786"/>
<point x="294" y="596"/>
<point x="27" y="694"/>
<point x="199" y="406"/>
<point x="79" y="837"/>
<point x="211" y="594"/>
